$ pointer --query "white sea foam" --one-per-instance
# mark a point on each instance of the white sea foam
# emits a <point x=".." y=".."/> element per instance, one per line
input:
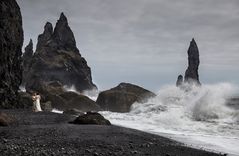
<point x="22" y="88"/>
<point x="54" y="110"/>
<point x="191" y="114"/>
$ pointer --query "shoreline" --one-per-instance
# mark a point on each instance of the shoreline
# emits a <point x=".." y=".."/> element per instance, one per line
<point x="46" y="133"/>
<point x="188" y="143"/>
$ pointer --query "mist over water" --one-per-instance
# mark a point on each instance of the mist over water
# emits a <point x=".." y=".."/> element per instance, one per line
<point x="191" y="114"/>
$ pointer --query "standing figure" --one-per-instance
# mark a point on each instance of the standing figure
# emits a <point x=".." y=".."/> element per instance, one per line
<point x="36" y="102"/>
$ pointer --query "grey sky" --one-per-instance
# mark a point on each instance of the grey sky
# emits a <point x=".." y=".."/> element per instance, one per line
<point x="145" y="41"/>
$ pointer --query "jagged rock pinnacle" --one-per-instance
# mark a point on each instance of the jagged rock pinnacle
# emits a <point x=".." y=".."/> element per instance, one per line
<point x="45" y="36"/>
<point x="48" y="29"/>
<point x="63" y="34"/>
<point x="28" y="50"/>
<point x="191" y="74"/>
<point x="63" y="17"/>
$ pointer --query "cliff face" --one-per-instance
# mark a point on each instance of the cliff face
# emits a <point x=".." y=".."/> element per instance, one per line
<point x="191" y="74"/>
<point x="11" y="40"/>
<point x="58" y="59"/>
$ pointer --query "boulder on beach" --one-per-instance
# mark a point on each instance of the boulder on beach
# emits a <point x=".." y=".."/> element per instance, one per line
<point x="120" y="98"/>
<point x="91" y="118"/>
<point x="11" y="40"/>
<point x="5" y="120"/>
<point x="58" y="59"/>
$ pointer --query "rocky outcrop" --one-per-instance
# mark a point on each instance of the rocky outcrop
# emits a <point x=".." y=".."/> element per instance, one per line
<point x="120" y="98"/>
<point x="59" y="98"/>
<point x="58" y="59"/>
<point x="91" y="118"/>
<point x="11" y="40"/>
<point x="191" y="74"/>
<point x="26" y="61"/>
<point x="179" y="81"/>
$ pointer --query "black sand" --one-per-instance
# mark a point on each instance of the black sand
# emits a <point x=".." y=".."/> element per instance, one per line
<point x="47" y="133"/>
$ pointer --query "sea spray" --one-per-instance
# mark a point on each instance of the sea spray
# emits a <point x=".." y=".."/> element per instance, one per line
<point x="92" y="94"/>
<point x="198" y="114"/>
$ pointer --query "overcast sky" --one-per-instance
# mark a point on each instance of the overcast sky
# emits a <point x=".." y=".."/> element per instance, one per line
<point x="145" y="42"/>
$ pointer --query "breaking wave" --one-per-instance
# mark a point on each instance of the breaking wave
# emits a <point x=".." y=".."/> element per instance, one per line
<point x="195" y="115"/>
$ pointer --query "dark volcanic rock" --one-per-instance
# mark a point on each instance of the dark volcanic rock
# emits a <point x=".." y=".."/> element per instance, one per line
<point x="25" y="100"/>
<point x="46" y="106"/>
<point x="26" y="60"/>
<point x="45" y="36"/>
<point x="58" y="59"/>
<point x="63" y="35"/>
<point x="73" y="112"/>
<point x="11" y="40"/>
<point x="5" y="120"/>
<point x="120" y="98"/>
<point x="233" y="102"/>
<point x="91" y="118"/>
<point x="191" y="74"/>
<point x="63" y="100"/>
<point x="179" y="81"/>
<point x="83" y="103"/>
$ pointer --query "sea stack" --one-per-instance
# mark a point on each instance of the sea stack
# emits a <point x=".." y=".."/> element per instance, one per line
<point x="58" y="59"/>
<point x="11" y="40"/>
<point x="191" y="74"/>
<point x="179" y="81"/>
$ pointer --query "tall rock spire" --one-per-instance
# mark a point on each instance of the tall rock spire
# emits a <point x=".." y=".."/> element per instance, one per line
<point x="63" y="34"/>
<point x="191" y="74"/>
<point x="45" y="36"/>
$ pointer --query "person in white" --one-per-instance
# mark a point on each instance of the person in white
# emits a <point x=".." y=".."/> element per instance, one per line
<point x="36" y="102"/>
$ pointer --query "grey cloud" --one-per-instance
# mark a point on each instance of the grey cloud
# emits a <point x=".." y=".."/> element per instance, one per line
<point x="145" y="41"/>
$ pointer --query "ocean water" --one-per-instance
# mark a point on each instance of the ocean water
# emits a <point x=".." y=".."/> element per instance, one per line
<point x="197" y="116"/>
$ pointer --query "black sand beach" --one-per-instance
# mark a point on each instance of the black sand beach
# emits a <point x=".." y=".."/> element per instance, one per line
<point x="46" y="133"/>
